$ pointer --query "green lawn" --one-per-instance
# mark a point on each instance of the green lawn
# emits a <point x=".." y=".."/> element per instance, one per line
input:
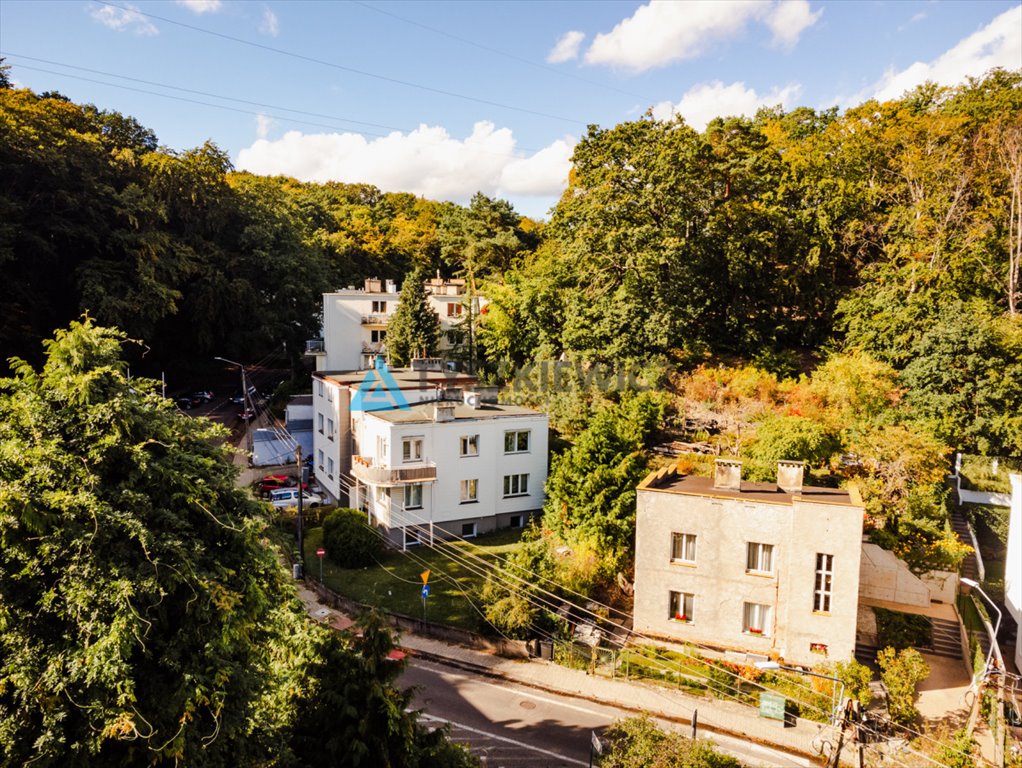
<point x="395" y="585"/>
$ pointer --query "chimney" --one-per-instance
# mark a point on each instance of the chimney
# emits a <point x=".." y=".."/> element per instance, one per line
<point x="789" y="475"/>
<point x="727" y="474"/>
<point x="443" y="411"/>
<point x="391" y="286"/>
<point x="373" y="285"/>
<point x="472" y="399"/>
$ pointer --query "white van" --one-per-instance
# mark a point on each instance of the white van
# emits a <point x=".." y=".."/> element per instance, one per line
<point x="283" y="498"/>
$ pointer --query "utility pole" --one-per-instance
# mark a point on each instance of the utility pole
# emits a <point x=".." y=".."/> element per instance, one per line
<point x="301" y="492"/>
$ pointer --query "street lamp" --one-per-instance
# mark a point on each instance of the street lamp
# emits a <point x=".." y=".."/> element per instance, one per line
<point x="244" y="388"/>
<point x="767" y="665"/>
<point x="993" y="638"/>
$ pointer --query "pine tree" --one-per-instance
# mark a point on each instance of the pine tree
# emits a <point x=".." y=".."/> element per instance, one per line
<point x="414" y="330"/>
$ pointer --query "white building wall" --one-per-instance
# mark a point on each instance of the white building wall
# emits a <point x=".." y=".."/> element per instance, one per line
<point x="331" y="451"/>
<point x="1013" y="564"/>
<point x="344" y="333"/>
<point x="721" y="585"/>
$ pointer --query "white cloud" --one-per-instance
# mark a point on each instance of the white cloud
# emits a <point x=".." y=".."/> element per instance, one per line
<point x="664" y="31"/>
<point x="788" y="20"/>
<point x="269" y="25"/>
<point x="566" y="47"/>
<point x="998" y="44"/>
<point x="705" y="101"/>
<point x="263" y="125"/>
<point x="426" y="161"/>
<point x="201" y="6"/>
<point x="124" y="19"/>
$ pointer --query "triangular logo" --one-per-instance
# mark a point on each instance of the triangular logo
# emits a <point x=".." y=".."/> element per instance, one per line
<point x="378" y="390"/>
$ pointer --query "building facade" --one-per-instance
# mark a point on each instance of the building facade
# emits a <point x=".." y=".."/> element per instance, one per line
<point x="762" y="568"/>
<point x="355" y="321"/>
<point x="421" y="453"/>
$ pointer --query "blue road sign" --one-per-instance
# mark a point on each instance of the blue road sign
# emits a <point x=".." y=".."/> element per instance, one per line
<point x="425" y="591"/>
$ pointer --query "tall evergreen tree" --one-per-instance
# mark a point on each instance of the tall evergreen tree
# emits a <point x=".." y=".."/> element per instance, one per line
<point x="414" y="330"/>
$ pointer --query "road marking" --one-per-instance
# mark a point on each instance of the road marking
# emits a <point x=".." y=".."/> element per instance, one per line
<point x="520" y="744"/>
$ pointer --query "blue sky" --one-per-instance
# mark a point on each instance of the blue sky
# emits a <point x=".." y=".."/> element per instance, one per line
<point x="454" y="97"/>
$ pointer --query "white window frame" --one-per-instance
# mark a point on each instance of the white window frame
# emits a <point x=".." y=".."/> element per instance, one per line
<point x="516" y="485"/>
<point x="681" y="607"/>
<point x="411" y="538"/>
<point x="409" y="493"/>
<point x="823" y="586"/>
<point x="330" y="467"/>
<point x="377" y="335"/>
<point x="469" y="446"/>
<point x="329" y="429"/>
<point x="756" y="619"/>
<point x="455" y="309"/>
<point x="683" y="548"/>
<point x="319" y="387"/>
<point x="759" y="557"/>
<point x="513" y="438"/>
<point x="516" y="521"/>
<point x="412" y="449"/>
<point x="469" y="491"/>
<point x="320" y="457"/>
<point x="473" y="532"/>
<point x="379" y="307"/>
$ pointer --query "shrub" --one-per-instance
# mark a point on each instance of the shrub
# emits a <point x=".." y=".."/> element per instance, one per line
<point x="856" y="678"/>
<point x="902" y="630"/>
<point x="902" y="672"/>
<point x="349" y="539"/>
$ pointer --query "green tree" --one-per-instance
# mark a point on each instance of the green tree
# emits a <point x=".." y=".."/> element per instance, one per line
<point x="638" y="742"/>
<point x="902" y="671"/>
<point x="856" y="678"/>
<point x="349" y="540"/>
<point x="414" y="329"/>
<point x="795" y="438"/>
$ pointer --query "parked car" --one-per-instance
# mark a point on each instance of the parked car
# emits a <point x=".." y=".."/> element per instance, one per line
<point x="184" y="403"/>
<point x="285" y="498"/>
<point x="201" y="396"/>
<point x="247" y="415"/>
<point x="239" y="397"/>
<point x="273" y="482"/>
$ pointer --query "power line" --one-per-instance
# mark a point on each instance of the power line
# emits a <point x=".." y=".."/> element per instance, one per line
<point x="505" y="54"/>
<point x="343" y="68"/>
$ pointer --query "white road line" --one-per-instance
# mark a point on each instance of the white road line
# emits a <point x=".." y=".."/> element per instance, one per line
<point x="520" y="744"/>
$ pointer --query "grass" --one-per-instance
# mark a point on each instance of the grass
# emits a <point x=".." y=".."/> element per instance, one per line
<point x="395" y="584"/>
<point x="978" y="473"/>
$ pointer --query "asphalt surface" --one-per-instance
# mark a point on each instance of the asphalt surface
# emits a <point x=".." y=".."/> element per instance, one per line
<point x="512" y="726"/>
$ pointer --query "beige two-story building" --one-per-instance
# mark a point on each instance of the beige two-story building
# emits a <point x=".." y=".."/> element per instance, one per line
<point x="764" y="568"/>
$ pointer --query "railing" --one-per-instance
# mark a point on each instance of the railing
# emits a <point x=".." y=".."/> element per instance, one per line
<point x="365" y="469"/>
<point x="372" y="348"/>
<point x="375" y="319"/>
<point x="314" y="346"/>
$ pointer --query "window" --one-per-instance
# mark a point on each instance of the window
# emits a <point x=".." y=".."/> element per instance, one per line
<point x="330" y="468"/>
<point x="760" y="558"/>
<point x="470" y="445"/>
<point x="413" y="496"/>
<point x="824" y="575"/>
<point x="516" y="442"/>
<point x="757" y="619"/>
<point x="516" y="485"/>
<point x="469" y="491"/>
<point x="330" y="394"/>
<point x="683" y="547"/>
<point x="820" y="648"/>
<point x="515" y="521"/>
<point x="319" y="388"/>
<point x="411" y="538"/>
<point x="379" y="307"/>
<point x="319" y="422"/>
<point x="411" y="449"/>
<point x="455" y="337"/>
<point x="468" y="530"/>
<point x="330" y="429"/>
<point x="454" y="309"/>
<point x="681" y="606"/>
<point x="376" y="335"/>
<point x="320" y="462"/>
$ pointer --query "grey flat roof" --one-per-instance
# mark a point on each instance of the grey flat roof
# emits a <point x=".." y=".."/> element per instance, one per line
<point x="424" y="413"/>
<point x="696" y="485"/>
<point x="405" y="378"/>
<point x="300" y="399"/>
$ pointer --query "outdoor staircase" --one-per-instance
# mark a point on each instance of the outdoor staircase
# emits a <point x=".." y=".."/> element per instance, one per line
<point x="946" y="642"/>
<point x="970" y="568"/>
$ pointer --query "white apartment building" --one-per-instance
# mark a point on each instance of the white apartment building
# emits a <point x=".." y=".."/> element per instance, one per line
<point x="355" y="321"/>
<point x="418" y="451"/>
<point x="762" y="568"/>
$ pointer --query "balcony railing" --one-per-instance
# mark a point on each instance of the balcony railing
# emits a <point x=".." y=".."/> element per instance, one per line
<point x="372" y="348"/>
<point x="375" y="319"/>
<point x="365" y="469"/>
<point x="314" y="346"/>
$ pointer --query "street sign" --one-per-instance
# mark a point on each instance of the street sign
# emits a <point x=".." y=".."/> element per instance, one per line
<point x="425" y="576"/>
<point x="771" y="705"/>
<point x="320" y="552"/>
<point x="425" y="591"/>
<point x="597" y="743"/>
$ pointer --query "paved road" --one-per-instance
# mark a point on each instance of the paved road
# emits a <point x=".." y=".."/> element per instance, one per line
<point x="512" y="726"/>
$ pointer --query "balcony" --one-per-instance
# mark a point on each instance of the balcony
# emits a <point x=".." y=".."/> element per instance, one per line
<point x="373" y="348"/>
<point x="375" y="319"/>
<point x="367" y="470"/>
<point x="315" y="347"/>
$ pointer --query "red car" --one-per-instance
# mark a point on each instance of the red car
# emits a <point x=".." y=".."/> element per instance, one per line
<point x="273" y="482"/>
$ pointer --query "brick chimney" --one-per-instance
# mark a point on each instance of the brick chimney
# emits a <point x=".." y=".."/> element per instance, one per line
<point x="789" y="475"/>
<point x="727" y="474"/>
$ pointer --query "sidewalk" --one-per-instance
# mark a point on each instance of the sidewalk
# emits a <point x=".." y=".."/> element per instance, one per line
<point x="714" y="715"/>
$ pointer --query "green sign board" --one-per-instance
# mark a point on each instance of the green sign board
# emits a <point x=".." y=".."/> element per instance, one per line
<point x="771" y="705"/>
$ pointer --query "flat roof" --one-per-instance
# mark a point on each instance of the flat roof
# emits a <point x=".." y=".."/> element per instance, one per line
<point x="424" y="413"/>
<point x="669" y="481"/>
<point x="405" y="378"/>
